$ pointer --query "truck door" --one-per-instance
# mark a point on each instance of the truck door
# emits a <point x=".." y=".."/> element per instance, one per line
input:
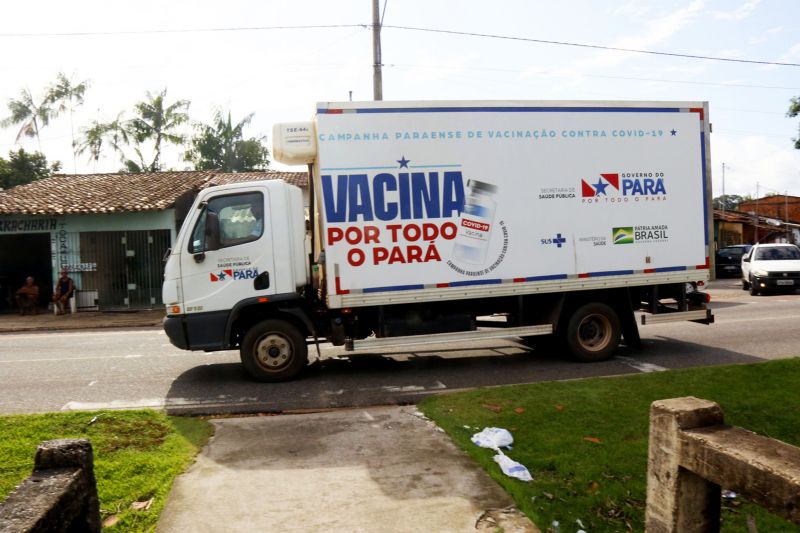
<point x="229" y="254"/>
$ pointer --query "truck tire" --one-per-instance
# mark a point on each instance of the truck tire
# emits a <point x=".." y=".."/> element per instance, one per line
<point x="274" y="350"/>
<point x="745" y="285"/>
<point x="593" y="333"/>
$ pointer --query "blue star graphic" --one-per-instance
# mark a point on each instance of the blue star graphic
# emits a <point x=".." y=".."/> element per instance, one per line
<point x="600" y="187"/>
<point x="673" y="132"/>
<point x="403" y="162"/>
<point x="221" y="276"/>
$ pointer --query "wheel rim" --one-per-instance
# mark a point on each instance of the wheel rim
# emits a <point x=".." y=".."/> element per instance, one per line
<point x="594" y="333"/>
<point x="273" y="352"/>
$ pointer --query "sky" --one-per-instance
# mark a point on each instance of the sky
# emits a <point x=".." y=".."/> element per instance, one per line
<point x="126" y="48"/>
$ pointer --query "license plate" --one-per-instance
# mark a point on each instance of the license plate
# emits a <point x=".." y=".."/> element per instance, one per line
<point x="785" y="282"/>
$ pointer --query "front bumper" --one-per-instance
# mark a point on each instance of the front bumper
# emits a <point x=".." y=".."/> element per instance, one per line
<point x="176" y="332"/>
<point x="775" y="282"/>
<point x="198" y="331"/>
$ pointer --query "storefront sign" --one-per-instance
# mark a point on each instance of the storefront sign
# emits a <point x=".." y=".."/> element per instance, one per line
<point x="81" y="267"/>
<point x="27" y="225"/>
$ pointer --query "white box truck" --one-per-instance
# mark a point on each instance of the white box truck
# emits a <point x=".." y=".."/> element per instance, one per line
<point x="552" y="218"/>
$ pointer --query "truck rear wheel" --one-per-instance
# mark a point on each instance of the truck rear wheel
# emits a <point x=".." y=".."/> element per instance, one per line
<point x="274" y="350"/>
<point x="593" y="333"/>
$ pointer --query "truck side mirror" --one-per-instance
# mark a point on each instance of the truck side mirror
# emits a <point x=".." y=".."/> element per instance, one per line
<point x="746" y="259"/>
<point x="211" y="236"/>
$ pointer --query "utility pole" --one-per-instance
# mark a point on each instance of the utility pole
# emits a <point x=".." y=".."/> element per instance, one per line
<point x="756" y="214"/>
<point x="377" y="76"/>
<point x="786" y="214"/>
<point x="723" y="188"/>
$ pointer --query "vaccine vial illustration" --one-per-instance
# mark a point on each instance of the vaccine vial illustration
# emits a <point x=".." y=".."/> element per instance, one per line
<point x="475" y="223"/>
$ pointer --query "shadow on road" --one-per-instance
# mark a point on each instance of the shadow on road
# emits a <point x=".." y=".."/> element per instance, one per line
<point x="398" y="379"/>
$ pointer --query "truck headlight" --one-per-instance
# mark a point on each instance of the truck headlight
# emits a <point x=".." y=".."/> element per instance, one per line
<point x="761" y="273"/>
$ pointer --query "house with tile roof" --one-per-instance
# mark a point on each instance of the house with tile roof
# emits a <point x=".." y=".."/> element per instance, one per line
<point x="109" y="231"/>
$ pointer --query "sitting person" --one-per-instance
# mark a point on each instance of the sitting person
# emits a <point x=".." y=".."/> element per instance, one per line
<point x="65" y="288"/>
<point x="28" y="297"/>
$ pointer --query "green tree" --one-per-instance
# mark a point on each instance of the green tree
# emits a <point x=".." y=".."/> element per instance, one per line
<point x="23" y="167"/>
<point x="93" y="137"/>
<point x="794" y="110"/>
<point x="29" y="115"/>
<point x="66" y="96"/>
<point x="157" y="123"/>
<point x="221" y="145"/>
<point x="728" y="202"/>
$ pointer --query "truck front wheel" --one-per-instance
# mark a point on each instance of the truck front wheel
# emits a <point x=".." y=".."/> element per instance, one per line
<point x="593" y="333"/>
<point x="274" y="350"/>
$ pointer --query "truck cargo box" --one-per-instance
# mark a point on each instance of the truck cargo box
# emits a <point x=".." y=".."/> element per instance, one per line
<point x="447" y="200"/>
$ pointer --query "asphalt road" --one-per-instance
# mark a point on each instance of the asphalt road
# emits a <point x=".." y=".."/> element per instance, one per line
<point x="42" y="372"/>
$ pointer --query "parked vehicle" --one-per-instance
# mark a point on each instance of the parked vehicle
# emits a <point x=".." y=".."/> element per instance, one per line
<point x="558" y="218"/>
<point x="729" y="260"/>
<point x="771" y="266"/>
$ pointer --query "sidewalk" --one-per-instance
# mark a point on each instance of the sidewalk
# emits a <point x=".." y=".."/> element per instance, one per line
<point x="47" y="321"/>
<point x="372" y="469"/>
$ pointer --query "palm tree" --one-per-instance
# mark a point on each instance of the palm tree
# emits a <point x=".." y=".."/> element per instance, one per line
<point x="221" y="145"/>
<point x="67" y="96"/>
<point x="30" y="115"/>
<point x="91" y="141"/>
<point x="113" y="133"/>
<point x="157" y="123"/>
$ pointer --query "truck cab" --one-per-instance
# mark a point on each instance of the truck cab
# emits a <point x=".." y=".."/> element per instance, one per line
<point x="240" y="246"/>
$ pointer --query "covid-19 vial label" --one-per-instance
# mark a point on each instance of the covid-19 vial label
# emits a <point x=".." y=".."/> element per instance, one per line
<point x="475" y="223"/>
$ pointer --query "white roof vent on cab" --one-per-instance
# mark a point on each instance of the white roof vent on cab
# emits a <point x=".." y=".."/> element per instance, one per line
<point x="294" y="143"/>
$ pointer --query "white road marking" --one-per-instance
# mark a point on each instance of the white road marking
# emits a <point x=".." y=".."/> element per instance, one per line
<point x="91" y="383"/>
<point x="91" y="358"/>
<point x="407" y="388"/>
<point x="77" y="333"/>
<point x="154" y="403"/>
<point x="641" y="366"/>
<point x="134" y="356"/>
<point x="147" y="403"/>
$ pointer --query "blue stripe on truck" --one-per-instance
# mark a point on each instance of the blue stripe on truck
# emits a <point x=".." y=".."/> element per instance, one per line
<point x="395" y="288"/>
<point x="505" y="110"/>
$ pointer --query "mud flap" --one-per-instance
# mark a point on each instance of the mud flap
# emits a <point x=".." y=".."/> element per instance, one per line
<point x="630" y="330"/>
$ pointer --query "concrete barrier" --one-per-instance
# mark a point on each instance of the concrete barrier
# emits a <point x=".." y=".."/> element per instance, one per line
<point x="60" y="494"/>
<point x="692" y="454"/>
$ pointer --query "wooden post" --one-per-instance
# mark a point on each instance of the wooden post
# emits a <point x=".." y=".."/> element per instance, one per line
<point x="679" y="501"/>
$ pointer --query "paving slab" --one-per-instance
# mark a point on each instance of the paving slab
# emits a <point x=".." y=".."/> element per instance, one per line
<point x="362" y="470"/>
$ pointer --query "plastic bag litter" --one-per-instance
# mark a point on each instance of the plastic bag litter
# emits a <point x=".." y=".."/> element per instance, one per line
<point x="511" y="468"/>
<point x="493" y="438"/>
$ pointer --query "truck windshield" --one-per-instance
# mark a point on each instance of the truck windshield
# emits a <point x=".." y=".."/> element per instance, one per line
<point x="240" y="220"/>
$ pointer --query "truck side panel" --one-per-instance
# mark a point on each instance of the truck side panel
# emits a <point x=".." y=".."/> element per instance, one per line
<point x="444" y="202"/>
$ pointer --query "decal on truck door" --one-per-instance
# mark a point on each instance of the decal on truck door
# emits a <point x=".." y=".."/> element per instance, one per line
<point x="373" y="214"/>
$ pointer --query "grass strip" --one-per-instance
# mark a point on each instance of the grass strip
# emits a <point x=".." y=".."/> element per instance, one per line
<point x="585" y="441"/>
<point x="137" y="455"/>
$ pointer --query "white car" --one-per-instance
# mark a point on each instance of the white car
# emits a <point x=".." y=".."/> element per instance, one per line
<point x="771" y="266"/>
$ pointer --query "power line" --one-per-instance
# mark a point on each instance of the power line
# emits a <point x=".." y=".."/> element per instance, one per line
<point x="184" y="30"/>
<point x="408" y="28"/>
<point x="628" y="78"/>
<point x="593" y="46"/>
